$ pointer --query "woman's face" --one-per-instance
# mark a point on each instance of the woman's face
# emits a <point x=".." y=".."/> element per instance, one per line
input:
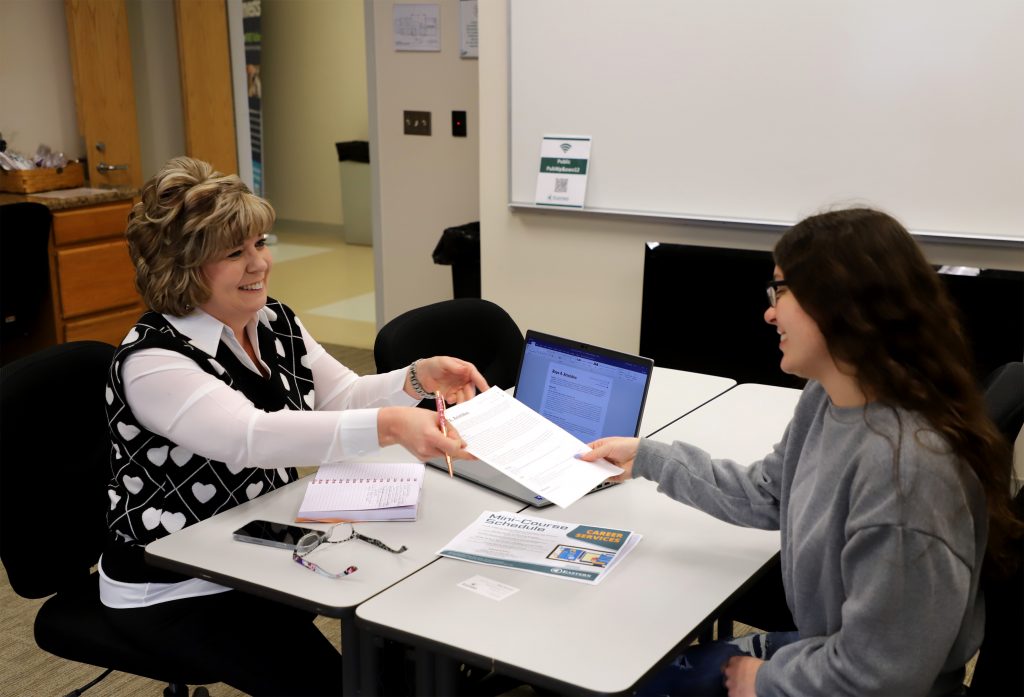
<point x="238" y="282"/>
<point x="804" y="351"/>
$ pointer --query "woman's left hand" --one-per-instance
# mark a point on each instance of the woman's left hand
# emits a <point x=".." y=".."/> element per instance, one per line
<point x="456" y="379"/>
<point x="740" y="675"/>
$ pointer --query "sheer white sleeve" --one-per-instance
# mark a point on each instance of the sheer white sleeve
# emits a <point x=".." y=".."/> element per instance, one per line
<point x="172" y="396"/>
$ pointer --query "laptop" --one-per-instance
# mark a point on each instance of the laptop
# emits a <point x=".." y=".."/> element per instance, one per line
<point x="589" y="391"/>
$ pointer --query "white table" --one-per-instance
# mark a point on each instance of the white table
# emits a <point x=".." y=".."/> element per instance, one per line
<point x="207" y="550"/>
<point x="605" y="638"/>
<point x="741" y="424"/>
<point x="674" y="393"/>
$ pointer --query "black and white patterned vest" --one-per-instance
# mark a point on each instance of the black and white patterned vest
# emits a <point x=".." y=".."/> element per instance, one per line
<point x="158" y="487"/>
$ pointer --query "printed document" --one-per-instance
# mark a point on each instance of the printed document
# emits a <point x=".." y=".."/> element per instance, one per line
<point x="519" y="442"/>
<point x="585" y="553"/>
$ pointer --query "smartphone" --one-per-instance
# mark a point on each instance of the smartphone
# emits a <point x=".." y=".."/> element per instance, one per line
<point x="265" y="532"/>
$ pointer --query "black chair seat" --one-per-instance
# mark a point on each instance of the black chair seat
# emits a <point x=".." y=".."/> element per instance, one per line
<point x="72" y="625"/>
<point x="53" y="434"/>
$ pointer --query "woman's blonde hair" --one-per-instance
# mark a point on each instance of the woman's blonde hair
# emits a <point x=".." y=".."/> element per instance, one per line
<point x="189" y="214"/>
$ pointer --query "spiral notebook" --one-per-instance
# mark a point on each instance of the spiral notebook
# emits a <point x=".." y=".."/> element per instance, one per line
<point x="362" y="491"/>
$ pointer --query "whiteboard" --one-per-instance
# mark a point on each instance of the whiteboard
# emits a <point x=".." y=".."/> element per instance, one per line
<point x="765" y="112"/>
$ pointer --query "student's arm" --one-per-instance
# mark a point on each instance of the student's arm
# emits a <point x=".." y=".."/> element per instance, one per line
<point x="728" y="490"/>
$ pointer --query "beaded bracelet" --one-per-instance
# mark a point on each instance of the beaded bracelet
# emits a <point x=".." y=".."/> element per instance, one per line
<point x="414" y="379"/>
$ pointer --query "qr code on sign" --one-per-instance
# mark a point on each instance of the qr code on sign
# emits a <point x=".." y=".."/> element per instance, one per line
<point x="561" y="185"/>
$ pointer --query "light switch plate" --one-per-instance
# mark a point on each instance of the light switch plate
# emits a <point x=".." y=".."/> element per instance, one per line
<point x="417" y="123"/>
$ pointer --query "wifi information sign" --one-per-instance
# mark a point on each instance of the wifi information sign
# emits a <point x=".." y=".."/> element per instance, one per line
<point x="562" y="179"/>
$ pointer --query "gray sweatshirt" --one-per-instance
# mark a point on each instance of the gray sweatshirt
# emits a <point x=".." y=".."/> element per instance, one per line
<point x="881" y="576"/>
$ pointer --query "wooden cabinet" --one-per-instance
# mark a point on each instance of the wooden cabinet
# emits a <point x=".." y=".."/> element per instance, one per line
<point x="92" y="277"/>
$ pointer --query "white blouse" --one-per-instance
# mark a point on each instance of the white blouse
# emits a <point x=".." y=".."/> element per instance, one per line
<point x="170" y="395"/>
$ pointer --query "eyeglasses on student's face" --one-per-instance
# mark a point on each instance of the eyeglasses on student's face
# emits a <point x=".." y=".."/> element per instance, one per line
<point x="773" y="290"/>
<point x="310" y="541"/>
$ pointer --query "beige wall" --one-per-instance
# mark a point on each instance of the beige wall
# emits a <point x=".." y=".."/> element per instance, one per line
<point x="580" y="274"/>
<point x="157" y="81"/>
<point x="314" y="92"/>
<point x="37" y="97"/>
<point x="422" y="184"/>
<point x="38" y="90"/>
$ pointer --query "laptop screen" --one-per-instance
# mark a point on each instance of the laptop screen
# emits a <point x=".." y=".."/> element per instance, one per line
<point x="589" y="391"/>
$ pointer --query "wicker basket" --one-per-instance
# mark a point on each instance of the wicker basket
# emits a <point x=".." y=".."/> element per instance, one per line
<point x="29" y="181"/>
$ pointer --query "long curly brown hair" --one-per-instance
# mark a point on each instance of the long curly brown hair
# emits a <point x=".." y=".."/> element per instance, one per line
<point x="884" y="310"/>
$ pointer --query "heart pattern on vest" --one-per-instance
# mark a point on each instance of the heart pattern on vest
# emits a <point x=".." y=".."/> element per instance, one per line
<point x="110" y="395"/>
<point x="283" y="474"/>
<point x="127" y="431"/>
<point x="279" y="346"/>
<point x="132" y="484"/>
<point x="172" y="522"/>
<point x="253" y="490"/>
<point x="151" y="517"/>
<point x="131" y="337"/>
<point x="114" y="498"/>
<point x="309" y="398"/>
<point x="158" y="456"/>
<point x="181" y="456"/>
<point x="203" y="492"/>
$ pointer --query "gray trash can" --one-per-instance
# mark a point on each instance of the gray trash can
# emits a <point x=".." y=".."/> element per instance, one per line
<point x="354" y="157"/>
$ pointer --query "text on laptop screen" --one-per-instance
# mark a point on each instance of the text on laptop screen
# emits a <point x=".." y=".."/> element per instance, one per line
<point x="588" y="394"/>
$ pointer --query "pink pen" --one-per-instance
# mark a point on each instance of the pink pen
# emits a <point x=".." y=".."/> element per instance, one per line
<point x="439" y="400"/>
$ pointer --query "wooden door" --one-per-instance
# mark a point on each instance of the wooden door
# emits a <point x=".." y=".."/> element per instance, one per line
<point x="101" y="65"/>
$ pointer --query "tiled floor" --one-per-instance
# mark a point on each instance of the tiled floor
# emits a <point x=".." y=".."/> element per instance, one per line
<point x="328" y="283"/>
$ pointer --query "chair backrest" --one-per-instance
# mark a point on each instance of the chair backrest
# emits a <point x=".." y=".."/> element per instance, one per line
<point x="472" y="329"/>
<point x="54" y="465"/>
<point x="1004" y="398"/>
<point x="999" y="670"/>
<point x="24" y="279"/>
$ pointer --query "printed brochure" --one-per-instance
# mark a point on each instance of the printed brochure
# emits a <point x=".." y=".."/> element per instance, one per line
<point x="585" y="553"/>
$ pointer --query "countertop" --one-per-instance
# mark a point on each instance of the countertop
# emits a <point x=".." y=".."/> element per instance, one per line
<point x="71" y="198"/>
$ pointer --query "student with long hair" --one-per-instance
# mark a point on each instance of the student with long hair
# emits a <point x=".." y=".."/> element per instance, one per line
<point x="890" y="486"/>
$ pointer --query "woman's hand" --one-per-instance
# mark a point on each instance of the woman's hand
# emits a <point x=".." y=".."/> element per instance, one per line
<point x="419" y="432"/>
<point x="618" y="451"/>
<point x="456" y="379"/>
<point x="741" y="675"/>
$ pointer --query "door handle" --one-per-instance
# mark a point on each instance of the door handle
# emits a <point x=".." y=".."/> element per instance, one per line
<point x="104" y="167"/>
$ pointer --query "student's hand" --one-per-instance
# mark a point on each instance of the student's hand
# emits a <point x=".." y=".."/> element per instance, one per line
<point x="457" y="380"/>
<point x="419" y="432"/>
<point x="740" y="675"/>
<point x="618" y="451"/>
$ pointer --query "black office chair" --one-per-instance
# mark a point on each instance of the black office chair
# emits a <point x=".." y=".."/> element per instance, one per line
<point x="998" y="670"/>
<point x="25" y="323"/>
<point x="1004" y="398"/>
<point x="472" y="329"/>
<point x="54" y="468"/>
